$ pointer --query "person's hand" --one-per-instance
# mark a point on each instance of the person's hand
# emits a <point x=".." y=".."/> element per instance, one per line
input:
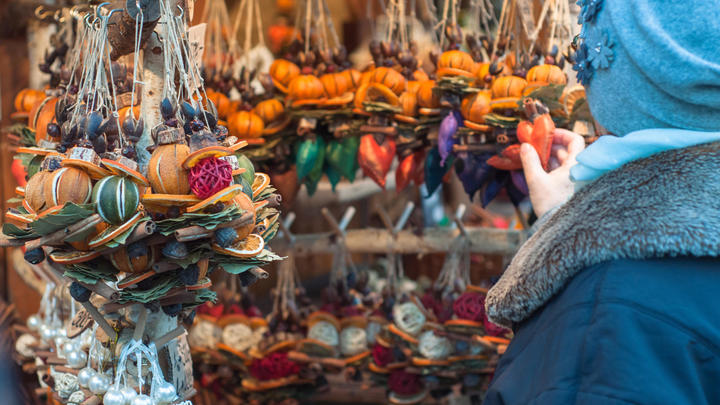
<point x="548" y="190"/>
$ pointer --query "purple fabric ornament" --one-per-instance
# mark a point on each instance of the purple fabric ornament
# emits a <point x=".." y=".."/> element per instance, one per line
<point x="518" y="179"/>
<point x="446" y="132"/>
<point x="473" y="171"/>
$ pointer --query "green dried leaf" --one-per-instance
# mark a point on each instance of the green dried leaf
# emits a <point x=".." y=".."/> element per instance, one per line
<point x="16" y="232"/>
<point x="237" y="268"/>
<point x="154" y="293"/>
<point x="207" y="221"/>
<point x="501" y="121"/>
<point x="548" y="95"/>
<point x="122" y="238"/>
<point x="68" y="215"/>
<point x="91" y="272"/>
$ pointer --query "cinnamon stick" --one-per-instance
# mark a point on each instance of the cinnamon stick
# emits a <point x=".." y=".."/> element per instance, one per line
<point x="62" y="234"/>
<point x="379" y="129"/>
<point x="102" y="290"/>
<point x="304" y="358"/>
<point x="7" y="242"/>
<point x="196" y="232"/>
<point x="164" y="266"/>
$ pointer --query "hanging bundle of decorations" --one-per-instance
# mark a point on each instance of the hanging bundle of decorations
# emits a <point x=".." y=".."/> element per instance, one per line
<point x="136" y="195"/>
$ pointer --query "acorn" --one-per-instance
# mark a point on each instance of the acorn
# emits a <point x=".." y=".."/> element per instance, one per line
<point x="92" y="124"/>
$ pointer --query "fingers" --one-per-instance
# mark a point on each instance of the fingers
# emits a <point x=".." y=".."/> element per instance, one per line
<point x="531" y="163"/>
<point x="573" y="145"/>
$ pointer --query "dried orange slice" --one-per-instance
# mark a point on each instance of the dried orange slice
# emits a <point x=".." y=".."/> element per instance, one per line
<point x="223" y="195"/>
<point x="96" y="172"/>
<point x="122" y="170"/>
<point x="23" y="219"/>
<point x="238" y="145"/>
<point x="260" y="183"/>
<point x="113" y="232"/>
<point x="210" y="151"/>
<point x="28" y="208"/>
<point x="246" y="248"/>
<point x="170" y="200"/>
<point x="62" y="257"/>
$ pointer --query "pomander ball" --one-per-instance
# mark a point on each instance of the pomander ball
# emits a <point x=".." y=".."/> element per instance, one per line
<point x="209" y="176"/>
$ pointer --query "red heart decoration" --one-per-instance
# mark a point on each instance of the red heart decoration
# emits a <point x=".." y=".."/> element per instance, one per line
<point x="376" y="159"/>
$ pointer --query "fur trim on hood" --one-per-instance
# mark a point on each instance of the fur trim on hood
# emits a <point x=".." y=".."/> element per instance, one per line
<point x="662" y="206"/>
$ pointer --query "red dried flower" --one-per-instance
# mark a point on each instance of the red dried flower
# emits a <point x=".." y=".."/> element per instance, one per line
<point x="382" y="355"/>
<point x="470" y="306"/>
<point x="209" y="176"/>
<point x="273" y="366"/>
<point x="214" y="310"/>
<point x="404" y="383"/>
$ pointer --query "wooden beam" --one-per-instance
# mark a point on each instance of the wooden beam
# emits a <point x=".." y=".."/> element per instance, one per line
<point x="484" y="240"/>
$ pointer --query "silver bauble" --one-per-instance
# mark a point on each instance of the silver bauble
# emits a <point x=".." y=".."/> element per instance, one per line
<point x="34" y="322"/>
<point x="85" y="375"/>
<point x="113" y="397"/>
<point x="60" y="345"/>
<point x="76" y="358"/>
<point x="98" y="384"/>
<point x="47" y="333"/>
<point x="165" y="393"/>
<point x="128" y="393"/>
<point x="142" y="399"/>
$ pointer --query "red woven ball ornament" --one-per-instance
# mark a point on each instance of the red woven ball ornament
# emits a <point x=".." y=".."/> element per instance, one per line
<point x="470" y="306"/>
<point x="209" y="176"/>
<point x="404" y="383"/>
<point x="273" y="366"/>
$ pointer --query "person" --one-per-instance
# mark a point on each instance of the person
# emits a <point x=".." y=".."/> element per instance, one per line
<point x="615" y="298"/>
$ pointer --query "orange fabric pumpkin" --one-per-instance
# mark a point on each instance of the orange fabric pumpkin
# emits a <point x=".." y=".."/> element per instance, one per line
<point x="475" y="106"/>
<point x="420" y="76"/>
<point x="455" y="63"/>
<point x="353" y="77"/>
<point x="306" y="89"/>
<point x="408" y="102"/>
<point x="335" y="84"/>
<point x="390" y="78"/>
<point x="269" y="110"/>
<point x="165" y="172"/>
<point x="508" y="86"/>
<point x="426" y="96"/>
<point x="549" y="74"/>
<point x="26" y="99"/>
<point x="245" y="125"/>
<point x="282" y="72"/>
<point x="222" y="103"/>
<point x="360" y="95"/>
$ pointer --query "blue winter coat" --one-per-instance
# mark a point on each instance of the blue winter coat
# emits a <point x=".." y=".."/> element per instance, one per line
<point x="616" y="298"/>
